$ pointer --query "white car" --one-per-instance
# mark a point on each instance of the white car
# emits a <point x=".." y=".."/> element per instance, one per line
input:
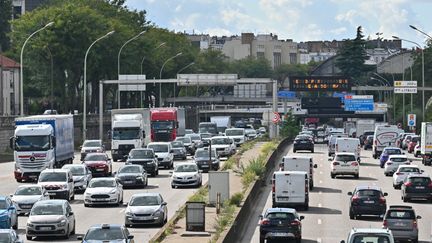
<point x="250" y="133"/>
<point x="104" y="190"/>
<point x="393" y="162"/>
<point x="224" y="146"/>
<point x="344" y="164"/>
<point x="402" y="172"/>
<point x="417" y="152"/>
<point x="238" y="134"/>
<point x="164" y="152"/>
<point x="26" y="196"/>
<point x="186" y="174"/>
<point x="81" y="176"/>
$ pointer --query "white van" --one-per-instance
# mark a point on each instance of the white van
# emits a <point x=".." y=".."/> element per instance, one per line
<point x="348" y="145"/>
<point x="384" y="136"/>
<point x="290" y="188"/>
<point x="332" y="142"/>
<point x="237" y="134"/>
<point x="299" y="163"/>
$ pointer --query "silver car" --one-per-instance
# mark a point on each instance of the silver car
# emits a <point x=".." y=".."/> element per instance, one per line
<point x="26" y="196"/>
<point x="81" y="176"/>
<point x="146" y="208"/>
<point x="402" y="221"/>
<point x="91" y="146"/>
<point x="51" y="218"/>
<point x="186" y="174"/>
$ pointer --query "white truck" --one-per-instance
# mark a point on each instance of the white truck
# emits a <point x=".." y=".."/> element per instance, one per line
<point x="426" y="143"/>
<point x="290" y="188"/>
<point x="384" y="136"/>
<point x="130" y="128"/>
<point x="348" y="145"/>
<point x="222" y="122"/>
<point x="299" y="163"/>
<point x="41" y="142"/>
<point x="350" y="128"/>
<point x="364" y="125"/>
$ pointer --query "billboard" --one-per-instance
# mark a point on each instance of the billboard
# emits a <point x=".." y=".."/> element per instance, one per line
<point x="319" y="83"/>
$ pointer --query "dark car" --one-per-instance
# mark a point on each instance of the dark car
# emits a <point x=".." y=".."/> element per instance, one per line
<point x="179" y="150"/>
<point x="416" y="186"/>
<point x="386" y="154"/>
<point x="303" y="142"/>
<point x="107" y="233"/>
<point x="146" y="158"/>
<point x="202" y="157"/>
<point x="206" y="138"/>
<point x="364" y="136"/>
<point x="132" y="175"/>
<point x="367" y="144"/>
<point x="99" y="164"/>
<point x="188" y="144"/>
<point x="280" y="224"/>
<point x="367" y="200"/>
<point x="402" y="221"/>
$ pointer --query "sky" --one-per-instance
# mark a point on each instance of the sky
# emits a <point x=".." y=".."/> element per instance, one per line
<point x="299" y="20"/>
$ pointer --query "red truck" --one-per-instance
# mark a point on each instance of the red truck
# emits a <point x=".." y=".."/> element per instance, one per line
<point x="167" y="123"/>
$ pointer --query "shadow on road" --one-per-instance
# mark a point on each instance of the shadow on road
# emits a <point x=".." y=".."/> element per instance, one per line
<point x="321" y="210"/>
<point x="162" y="176"/>
<point x="58" y="239"/>
<point x="369" y="164"/>
<point x="369" y="218"/>
<point x="361" y="178"/>
<point x="318" y="189"/>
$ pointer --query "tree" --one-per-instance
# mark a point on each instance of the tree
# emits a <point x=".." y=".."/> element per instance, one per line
<point x="252" y="67"/>
<point x="285" y="70"/>
<point x="352" y="56"/>
<point x="5" y="17"/>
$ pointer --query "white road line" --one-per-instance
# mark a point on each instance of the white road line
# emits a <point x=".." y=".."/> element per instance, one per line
<point x="320" y="182"/>
<point x="318" y="240"/>
<point x="122" y="210"/>
<point x="319" y="205"/>
<point x="320" y="192"/>
<point x="321" y="172"/>
<point x="319" y="221"/>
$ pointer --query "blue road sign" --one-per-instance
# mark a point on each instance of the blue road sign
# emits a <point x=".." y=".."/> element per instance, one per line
<point x="285" y="94"/>
<point x="359" y="103"/>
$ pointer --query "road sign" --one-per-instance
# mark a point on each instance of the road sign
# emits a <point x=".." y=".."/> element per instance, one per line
<point x="405" y="83"/>
<point x="359" y="103"/>
<point x="405" y="90"/>
<point x="276" y="117"/>
<point x="285" y="94"/>
<point x="411" y="120"/>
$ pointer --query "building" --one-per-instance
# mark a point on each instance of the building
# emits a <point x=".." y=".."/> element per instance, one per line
<point x="9" y="86"/>
<point x="22" y="6"/>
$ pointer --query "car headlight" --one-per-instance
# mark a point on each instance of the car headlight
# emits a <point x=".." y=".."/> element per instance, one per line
<point x="227" y="148"/>
<point x="214" y="161"/>
<point x="129" y="214"/>
<point x="157" y="213"/>
<point x="139" y="178"/>
<point x="29" y="224"/>
<point x="62" y="223"/>
<point x="167" y="158"/>
<point x="113" y="191"/>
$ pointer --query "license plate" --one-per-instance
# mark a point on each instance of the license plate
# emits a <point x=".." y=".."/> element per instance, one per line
<point x="399" y="224"/>
<point x="100" y="199"/>
<point x="51" y="193"/>
<point x="128" y="182"/>
<point x="45" y="228"/>
<point x="279" y="234"/>
<point x="369" y="202"/>
<point x="283" y="198"/>
<point x="26" y="206"/>
<point x="99" y="169"/>
<point x="419" y="187"/>
<point x="344" y="165"/>
<point x="205" y="166"/>
<point x="144" y="218"/>
<point x="32" y="176"/>
<point x="303" y="142"/>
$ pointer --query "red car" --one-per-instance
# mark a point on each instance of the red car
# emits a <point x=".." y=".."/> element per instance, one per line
<point x="412" y="144"/>
<point x="99" y="164"/>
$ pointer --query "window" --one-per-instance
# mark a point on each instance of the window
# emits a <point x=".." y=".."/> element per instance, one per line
<point x="277" y="59"/>
<point x="401" y="215"/>
<point x="260" y="55"/>
<point x="293" y="58"/>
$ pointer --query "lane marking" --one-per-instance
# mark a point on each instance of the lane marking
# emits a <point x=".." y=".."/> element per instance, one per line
<point x="320" y="192"/>
<point x="321" y="172"/>
<point x="319" y="205"/>
<point x="320" y="182"/>
<point x="122" y="210"/>
<point x="319" y="240"/>
<point x="319" y="221"/>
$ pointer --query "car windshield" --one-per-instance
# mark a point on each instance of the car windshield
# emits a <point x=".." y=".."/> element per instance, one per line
<point x="220" y="141"/>
<point x="399" y="160"/>
<point x="52" y="176"/>
<point x="5" y="238"/>
<point x="345" y="157"/>
<point x="32" y="143"/>
<point x="419" y="181"/>
<point x="28" y="191"/>
<point x="76" y="170"/>
<point x="415" y="139"/>
<point x="102" y="183"/>
<point x="92" y="144"/>
<point x="3" y="204"/>
<point x="194" y="137"/>
<point x="204" y="154"/>
<point x="400" y="214"/>
<point x="250" y="131"/>
<point x="130" y="169"/>
<point x="126" y="133"/>
<point x="369" y="238"/>
<point x="95" y="157"/>
<point x="186" y="168"/>
<point x="408" y="169"/>
<point x="158" y="148"/>
<point x="47" y="209"/>
<point x="280" y="215"/>
<point x="160" y="125"/>
<point x="368" y="193"/>
<point x="98" y="234"/>
<point x="393" y="151"/>
<point x="141" y="154"/>
<point x="206" y="135"/>
<point x="145" y="201"/>
<point x="185" y="140"/>
<point x="177" y="144"/>
<point x="234" y="132"/>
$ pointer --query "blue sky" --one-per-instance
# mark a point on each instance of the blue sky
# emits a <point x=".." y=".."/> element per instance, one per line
<point x="300" y="20"/>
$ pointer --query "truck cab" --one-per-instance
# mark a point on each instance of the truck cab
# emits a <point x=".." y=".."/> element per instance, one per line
<point x="166" y="124"/>
<point x="127" y="133"/>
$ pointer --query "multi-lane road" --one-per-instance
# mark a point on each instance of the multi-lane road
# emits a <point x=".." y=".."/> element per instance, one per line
<point x="85" y="217"/>
<point x="327" y="220"/>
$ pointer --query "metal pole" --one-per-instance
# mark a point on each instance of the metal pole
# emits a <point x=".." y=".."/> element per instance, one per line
<point x="101" y="110"/>
<point x="423" y="85"/>
<point x="411" y="103"/>
<point x="190" y="64"/>
<point x="160" y="77"/>
<point x="275" y="107"/>
<point x="21" y="67"/>
<point x="52" y="78"/>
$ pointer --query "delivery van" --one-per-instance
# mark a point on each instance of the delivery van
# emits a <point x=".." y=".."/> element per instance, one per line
<point x="384" y="136"/>
<point x="348" y="145"/>
<point x="290" y="189"/>
<point x="299" y="163"/>
<point x="332" y="142"/>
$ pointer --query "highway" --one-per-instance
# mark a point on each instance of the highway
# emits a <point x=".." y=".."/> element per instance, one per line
<point x="327" y="220"/>
<point x="85" y="217"/>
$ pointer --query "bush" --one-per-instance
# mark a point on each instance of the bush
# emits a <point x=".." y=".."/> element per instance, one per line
<point x="229" y="163"/>
<point x="236" y="199"/>
<point x="224" y="220"/>
<point x="247" y="178"/>
<point x="269" y="147"/>
<point x="200" y="195"/>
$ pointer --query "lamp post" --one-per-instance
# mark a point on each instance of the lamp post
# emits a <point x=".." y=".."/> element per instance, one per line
<point x="423" y="71"/>
<point x="142" y="61"/>
<point x="160" y="76"/>
<point x="394" y="99"/>
<point x="382" y="83"/>
<point x="421" y="31"/>
<point x="21" y="67"/>
<point x="52" y="78"/>
<point x="190" y="64"/>
<point x="118" y="63"/>
<point x="85" y="83"/>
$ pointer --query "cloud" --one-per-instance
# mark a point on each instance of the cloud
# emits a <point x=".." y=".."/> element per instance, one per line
<point x="178" y="8"/>
<point x="219" y="32"/>
<point x="188" y="23"/>
<point x="338" y="31"/>
<point x="347" y="16"/>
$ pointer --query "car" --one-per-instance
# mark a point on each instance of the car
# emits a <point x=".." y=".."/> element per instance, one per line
<point x="51" y="218"/>
<point x="103" y="191"/>
<point x="196" y="139"/>
<point x="58" y="183"/>
<point x="202" y="158"/>
<point x="99" y="164"/>
<point x="25" y="196"/>
<point x="367" y="200"/>
<point x="132" y="175"/>
<point x="81" y="176"/>
<point x="401" y="137"/>
<point x="375" y="235"/>
<point x="417" y="151"/>
<point x="402" y="221"/>
<point x="164" y="153"/>
<point x="146" y="158"/>
<point x="146" y="209"/>
<point x="50" y="112"/>
<point x="387" y="151"/>
<point x="402" y="172"/>
<point x="100" y="233"/>
<point x="416" y="186"/>
<point x="367" y="143"/>
<point x="9" y="236"/>
<point x="186" y="174"/>
<point x="250" y="133"/>
<point x="205" y="137"/>
<point x="189" y="145"/>
<point x="413" y="143"/>
<point x="237" y="134"/>
<point x="393" y="162"/>
<point x="407" y="140"/>
<point x="303" y="142"/>
<point x="179" y="150"/>
<point x="344" y="164"/>
<point x="364" y="136"/>
<point x="280" y="224"/>
<point x="224" y="146"/>
<point x="8" y="213"/>
<point x="91" y="146"/>
<point x="189" y="131"/>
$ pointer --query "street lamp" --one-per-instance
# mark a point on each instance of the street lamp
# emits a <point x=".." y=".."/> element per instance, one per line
<point x="383" y="84"/>
<point x="160" y="76"/>
<point x="190" y="64"/>
<point x="394" y="99"/>
<point x="142" y="61"/>
<point x="421" y="31"/>
<point x="423" y="70"/>
<point x="85" y="83"/>
<point x="21" y="67"/>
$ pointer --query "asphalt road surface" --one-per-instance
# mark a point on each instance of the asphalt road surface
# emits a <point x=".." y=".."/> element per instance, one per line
<point x="86" y="217"/>
<point x="327" y="220"/>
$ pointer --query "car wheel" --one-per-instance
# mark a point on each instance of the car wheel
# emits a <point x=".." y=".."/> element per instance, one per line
<point x="356" y="176"/>
<point x="299" y="240"/>
<point x="19" y="180"/>
<point x="294" y="151"/>
<point x="15" y="226"/>
<point x="262" y="240"/>
<point x="73" y="197"/>
<point x="66" y="236"/>
<point x="86" y="205"/>
<point x="73" y="230"/>
<point x="172" y="186"/>
<point x="415" y="240"/>
<point x="351" y="215"/>
<point x="29" y="237"/>
<point x="184" y="158"/>
<point x="404" y="199"/>
<point x="312" y="151"/>
<point x="67" y="196"/>
<point x="332" y="175"/>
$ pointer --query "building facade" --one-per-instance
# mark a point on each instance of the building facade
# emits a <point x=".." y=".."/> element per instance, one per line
<point x="9" y="86"/>
<point x="22" y="6"/>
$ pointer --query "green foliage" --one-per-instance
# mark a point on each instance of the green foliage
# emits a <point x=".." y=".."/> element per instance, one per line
<point x="285" y="70"/>
<point x="236" y="199"/>
<point x="225" y="219"/>
<point x="246" y="146"/>
<point x="254" y="170"/>
<point x="269" y="147"/>
<point x="5" y="17"/>
<point x="231" y="162"/>
<point x="290" y="127"/>
<point x="200" y="195"/>
<point x="251" y="67"/>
